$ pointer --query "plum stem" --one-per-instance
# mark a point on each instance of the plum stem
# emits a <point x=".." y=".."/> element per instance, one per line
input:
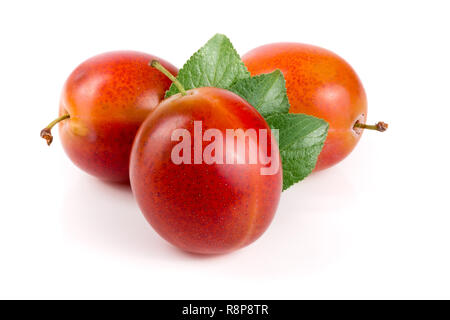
<point x="379" y="126"/>
<point x="155" y="64"/>
<point x="46" y="133"/>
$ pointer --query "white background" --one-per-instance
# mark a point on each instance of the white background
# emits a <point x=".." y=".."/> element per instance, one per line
<point x="375" y="226"/>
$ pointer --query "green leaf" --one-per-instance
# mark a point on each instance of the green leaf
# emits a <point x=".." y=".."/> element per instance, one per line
<point x="216" y="64"/>
<point x="266" y="92"/>
<point x="301" y="138"/>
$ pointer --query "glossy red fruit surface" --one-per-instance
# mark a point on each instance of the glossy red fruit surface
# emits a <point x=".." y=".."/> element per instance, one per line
<point x="319" y="83"/>
<point x="108" y="97"/>
<point x="203" y="208"/>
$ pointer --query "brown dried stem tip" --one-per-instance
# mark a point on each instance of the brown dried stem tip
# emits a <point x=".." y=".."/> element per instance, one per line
<point x="380" y="126"/>
<point x="46" y="133"/>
